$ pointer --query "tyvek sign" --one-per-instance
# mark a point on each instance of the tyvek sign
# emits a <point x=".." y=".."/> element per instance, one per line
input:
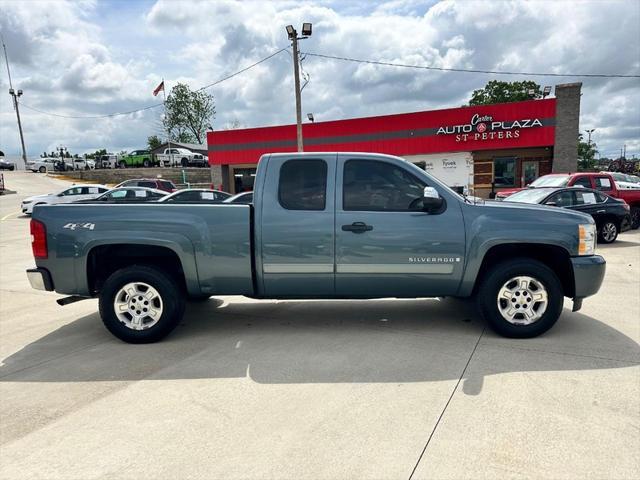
<point x="453" y="169"/>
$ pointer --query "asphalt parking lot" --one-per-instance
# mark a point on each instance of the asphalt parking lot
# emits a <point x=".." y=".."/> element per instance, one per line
<point x="319" y="390"/>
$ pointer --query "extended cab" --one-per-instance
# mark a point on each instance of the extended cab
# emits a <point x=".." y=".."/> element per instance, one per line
<point x="322" y="225"/>
<point x="182" y="157"/>
<point x="598" y="181"/>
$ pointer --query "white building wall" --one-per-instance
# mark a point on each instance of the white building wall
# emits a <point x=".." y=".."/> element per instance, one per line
<point x="454" y="169"/>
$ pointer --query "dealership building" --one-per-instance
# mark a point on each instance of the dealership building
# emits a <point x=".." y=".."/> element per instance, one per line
<point x="479" y="147"/>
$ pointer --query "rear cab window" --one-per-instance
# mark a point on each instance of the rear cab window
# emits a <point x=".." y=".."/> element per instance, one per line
<point x="583" y="181"/>
<point x="303" y="185"/>
<point x="603" y="183"/>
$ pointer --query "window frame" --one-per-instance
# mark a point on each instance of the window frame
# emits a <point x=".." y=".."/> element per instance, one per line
<point x="370" y="161"/>
<point x="326" y="184"/>
<point x="515" y="171"/>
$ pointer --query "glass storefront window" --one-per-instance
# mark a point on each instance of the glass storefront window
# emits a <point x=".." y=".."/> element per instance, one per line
<point x="504" y="171"/>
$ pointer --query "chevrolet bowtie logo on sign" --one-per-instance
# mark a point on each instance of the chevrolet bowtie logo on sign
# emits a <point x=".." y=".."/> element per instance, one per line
<point x="434" y="259"/>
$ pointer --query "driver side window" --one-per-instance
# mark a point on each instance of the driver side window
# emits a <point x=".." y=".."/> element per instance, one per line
<point x="379" y="186"/>
<point x="562" y="199"/>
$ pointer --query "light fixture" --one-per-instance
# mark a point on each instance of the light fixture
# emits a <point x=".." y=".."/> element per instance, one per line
<point x="546" y="91"/>
<point x="306" y="29"/>
<point x="310" y="117"/>
<point x="291" y="32"/>
<point x="531" y="92"/>
<point x="11" y="91"/>
<point x="19" y="92"/>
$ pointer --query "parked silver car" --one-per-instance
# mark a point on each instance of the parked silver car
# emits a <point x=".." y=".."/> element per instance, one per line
<point x="68" y="195"/>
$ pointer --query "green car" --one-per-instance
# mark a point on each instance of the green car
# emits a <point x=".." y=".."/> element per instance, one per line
<point x="137" y="158"/>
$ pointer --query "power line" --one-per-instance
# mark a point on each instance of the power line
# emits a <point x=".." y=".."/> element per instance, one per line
<point x="149" y="107"/>
<point x="465" y="70"/>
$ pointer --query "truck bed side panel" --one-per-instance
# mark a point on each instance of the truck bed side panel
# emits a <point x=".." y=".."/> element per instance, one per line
<point x="212" y="241"/>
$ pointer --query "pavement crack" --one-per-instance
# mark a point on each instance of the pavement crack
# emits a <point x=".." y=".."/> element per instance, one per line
<point x="433" y="431"/>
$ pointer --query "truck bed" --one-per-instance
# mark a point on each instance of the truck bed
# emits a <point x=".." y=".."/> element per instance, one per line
<point x="212" y="242"/>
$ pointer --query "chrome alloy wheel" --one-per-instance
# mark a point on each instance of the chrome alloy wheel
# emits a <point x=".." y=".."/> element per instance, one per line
<point x="522" y="300"/>
<point x="138" y="306"/>
<point x="609" y="232"/>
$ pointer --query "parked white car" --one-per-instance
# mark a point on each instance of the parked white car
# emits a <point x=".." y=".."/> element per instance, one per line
<point x="79" y="164"/>
<point x="624" y="181"/>
<point x="181" y="157"/>
<point x="41" y="165"/>
<point x="109" y="161"/>
<point x="68" y="195"/>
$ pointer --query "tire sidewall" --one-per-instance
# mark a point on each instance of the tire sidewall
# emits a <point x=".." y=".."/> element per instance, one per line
<point x="171" y="295"/>
<point x="602" y="232"/>
<point x="498" y="276"/>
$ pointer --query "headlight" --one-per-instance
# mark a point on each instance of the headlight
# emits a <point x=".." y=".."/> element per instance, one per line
<point x="587" y="239"/>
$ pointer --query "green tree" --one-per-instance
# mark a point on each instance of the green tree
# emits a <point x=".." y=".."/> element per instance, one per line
<point x="503" y="92"/>
<point x="586" y="155"/>
<point x="188" y="114"/>
<point x="153" y="142"/>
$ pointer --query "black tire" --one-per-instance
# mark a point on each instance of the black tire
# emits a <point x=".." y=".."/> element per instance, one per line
<point x="608" y="231"/>
<point x="635" y="217"/>
<point x="184" y="162"/>
<point x="122" y="164"/>
<point x="172" y="297"/>
<point x="146" y="163"/>
<point x="42" y="169"/>
<point x="499" y="275"/>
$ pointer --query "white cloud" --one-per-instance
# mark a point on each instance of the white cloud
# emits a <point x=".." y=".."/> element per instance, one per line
<point x="90" y="58"/>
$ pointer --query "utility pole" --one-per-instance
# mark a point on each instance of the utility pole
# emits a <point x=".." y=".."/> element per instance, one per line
<point x="15" y="95"/>
<point x="624" y="155"/>
<point x="293" y="36"/>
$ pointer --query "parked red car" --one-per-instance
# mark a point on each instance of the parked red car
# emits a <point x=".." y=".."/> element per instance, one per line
<point x="598" y="181"/>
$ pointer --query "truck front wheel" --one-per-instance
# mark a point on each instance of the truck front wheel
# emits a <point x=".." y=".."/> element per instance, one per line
<point x="141" y="304"/>
<point x="520" y="298"/>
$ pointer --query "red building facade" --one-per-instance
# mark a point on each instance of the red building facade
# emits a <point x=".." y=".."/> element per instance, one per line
<point x="506" y="144"/>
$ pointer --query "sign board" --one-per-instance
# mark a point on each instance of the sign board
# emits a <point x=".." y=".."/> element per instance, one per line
<point x="453" y="169"/>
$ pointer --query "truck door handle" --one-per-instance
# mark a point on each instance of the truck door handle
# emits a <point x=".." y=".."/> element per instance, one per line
<point x="601" y="211"/>
<point x="357" y="227"/>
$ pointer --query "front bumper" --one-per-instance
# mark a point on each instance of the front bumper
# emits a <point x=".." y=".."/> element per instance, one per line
<point x="588" y="273"/>
<point x="40" y="279"/>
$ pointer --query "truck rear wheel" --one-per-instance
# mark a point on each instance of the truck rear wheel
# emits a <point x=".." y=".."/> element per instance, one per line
<point x="521" y="298"/>
<point x="141" y="304"/>
<point x="146" y="163"/>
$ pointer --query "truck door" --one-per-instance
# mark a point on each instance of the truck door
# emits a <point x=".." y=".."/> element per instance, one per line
<point x="385" y="244"/>
<point x="297" y="226"/>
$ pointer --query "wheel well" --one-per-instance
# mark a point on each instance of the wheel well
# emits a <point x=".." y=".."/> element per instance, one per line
<point x="103" y="260"/>
<point x="556" y="258"/>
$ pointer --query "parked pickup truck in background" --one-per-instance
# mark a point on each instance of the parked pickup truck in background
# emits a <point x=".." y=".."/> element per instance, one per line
<point x="322" y="225"/>
<point x="137" y="158"/>
<point x="602" y="181"/>
<point x="173" y="157"/>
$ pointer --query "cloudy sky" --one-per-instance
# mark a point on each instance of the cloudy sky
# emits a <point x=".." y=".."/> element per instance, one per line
<point x="90" y="58"/>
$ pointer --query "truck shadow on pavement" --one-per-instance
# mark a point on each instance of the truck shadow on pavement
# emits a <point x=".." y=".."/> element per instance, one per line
<point x="321" y="342"/>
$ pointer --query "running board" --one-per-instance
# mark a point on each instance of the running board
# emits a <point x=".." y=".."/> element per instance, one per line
<point x="72" y="299"/>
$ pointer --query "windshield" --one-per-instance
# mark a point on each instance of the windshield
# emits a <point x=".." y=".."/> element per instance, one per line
<point x="551" y="181"/>
<point x="528" y="196"/>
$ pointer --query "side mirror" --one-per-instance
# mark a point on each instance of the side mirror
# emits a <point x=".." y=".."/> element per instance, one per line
<point x="431" y="201"/>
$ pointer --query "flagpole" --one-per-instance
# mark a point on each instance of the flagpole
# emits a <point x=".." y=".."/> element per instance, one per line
<point x="164" y="96"/>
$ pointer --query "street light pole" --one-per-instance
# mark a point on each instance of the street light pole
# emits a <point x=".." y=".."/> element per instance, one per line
<point x="17" y="108"/>
<point x="590" y="131"/>
<point x="15" y="96"/>
<point x="293" y="36"/>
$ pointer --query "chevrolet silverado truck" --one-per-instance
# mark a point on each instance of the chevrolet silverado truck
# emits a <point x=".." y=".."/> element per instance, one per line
<point x="174" y="157"/>
<point x="322" y="225"/>
<point x="602" y="181"/>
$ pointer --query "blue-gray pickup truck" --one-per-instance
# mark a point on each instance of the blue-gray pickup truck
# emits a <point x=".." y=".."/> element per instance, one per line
<point x="322" y="225"/>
